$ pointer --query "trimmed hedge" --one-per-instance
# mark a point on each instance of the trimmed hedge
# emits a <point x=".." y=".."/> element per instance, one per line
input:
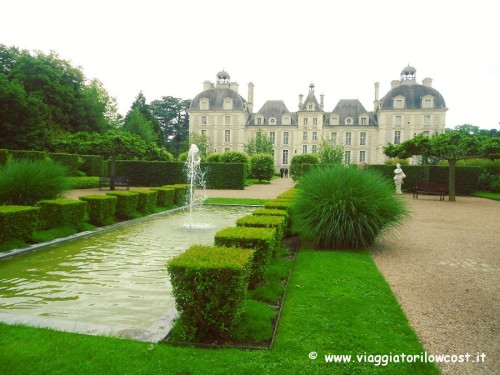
<point x="165" y="197"/>
<point x="224" y="175"/>
<point x="261" y="221"/>
<point x="209" y="285"/>
<point x="18" y="222"/>
<point x="126" y="204"/>
<point x="30" y="155"/>
<point x="150" y="173"/>
<point x="279" y="204"/>
<point x="262" y="240"/>
<point x="147" y="200"/>
<point x="181" y="192"/>
<point x="466" y="178"/>
<point x="70" y="161"/>
<point x="61" y="213"/>
<point x="101" y="208"/>
<point x="92" y="165"/>
<point x="275" y="212"/>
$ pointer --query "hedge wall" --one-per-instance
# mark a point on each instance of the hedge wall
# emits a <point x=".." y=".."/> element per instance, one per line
<point x="150" y="173"/>
<point x="224" y="175"/>
<point x="92" y="165"/>
<point x="126" y="205"/>
<point x="101" y="208"/>
<point x="4" y="156"/>
<point x="31" y="155"/>
<point x="70" y="161"/>
<point x="165" y="197"/>
<point x="147" y="200"/>
<point x="61" y="212"/>
<point x="18" y="222"/>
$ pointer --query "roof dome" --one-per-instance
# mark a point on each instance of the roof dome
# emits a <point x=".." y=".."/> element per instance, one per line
<point x="223" y="75"/>
<point x="409" y="70"/>
<point x="413" y="95"/>
<point x="216" y="98"/>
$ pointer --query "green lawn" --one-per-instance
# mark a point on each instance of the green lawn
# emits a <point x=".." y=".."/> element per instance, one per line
<point x="486" y="194"/>
<point x="240" y="201"/>
<point x="337" y="303"/>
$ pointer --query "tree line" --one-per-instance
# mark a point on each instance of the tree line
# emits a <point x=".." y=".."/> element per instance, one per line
<point x="48" y="104"/>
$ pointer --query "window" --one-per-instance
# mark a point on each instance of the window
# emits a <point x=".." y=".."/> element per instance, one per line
<point x="285" y="138"/>
<point x="227" y="120"/>
<point x="363" y="121"/>
<point x="362" y="138"/>
<point x="304" y="149"/>
<point x="287" y="121"/>
<point x="315" y="121"/>
<point x="272" y="121"/>
<point x="272" y="137"/>
<point x="315" y="136"/>
<point x="228" y="104"/>
<point x="227" y="149"/>
<point x="259" y="120"/>
<point x="426" y="133"/>
<point x="203" y="132"/>
<point x="334" y="120"/>
<point x="348" y="138"/>
<point x="427" y="103"/>
<point x="304" y="136"/>
<point x="398" y="120"/>
<point x="333" y="138"/>
<point x="285" y="156"/>
<point x="227" y="136"/>
<point x="305" y="121"/>
<point x="314" y="149"/>
<point x="427" y="120"/>
<point x="348" y="121"/>
<point x="347" y="157"/>
<point x="397" y="137"/>
<point x="362" y="156"/>
<point x="398" y="103"/>
<point x="310" y="106"/>
<point x="204" y="104"/>
<point x="203" y="120"/>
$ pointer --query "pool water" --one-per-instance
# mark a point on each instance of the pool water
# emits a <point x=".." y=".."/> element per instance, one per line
<point x="113" y="283"/>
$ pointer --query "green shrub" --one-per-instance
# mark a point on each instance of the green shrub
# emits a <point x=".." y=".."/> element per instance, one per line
<point x="92" y="165"/>
<point x="466" y="178"/>
<point x="209" y="285"/>
<point x="147" y="200"/>
<point x="61" y="213"/>
<point x="151" y="173"/>
<point x="101" y="208"/>
<point x="165" y="196"/>
<point x="28" y="155"/>
<point x="256" y="323"/>
<point x="224" y="175"/>
<point x="126" y="204"/>
<point x="83" y="182"/>
<point x="18" y="222"/>
<point x="262" y="240"/>
<point x="298" y="161"/>
<point x="70" y="161"/>
<point x="234" y="157"/>
<point x="25" y="182"/>
<point x="278" y="204"/>
<point x="181" y="193"/>
<point x="275" y="212"/>
<point x="213" y="158"/>
<point x="345" y="208"/>
<point x="260" y="221"/>
<point x="262" y="166"/>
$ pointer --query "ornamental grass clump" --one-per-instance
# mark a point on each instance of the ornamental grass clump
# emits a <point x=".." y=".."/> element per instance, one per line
<point x="25" y="182"/>
<point x="346" y="208"/>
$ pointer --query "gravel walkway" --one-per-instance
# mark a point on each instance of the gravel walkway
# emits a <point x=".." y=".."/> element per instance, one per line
<point x="444" y="268"/>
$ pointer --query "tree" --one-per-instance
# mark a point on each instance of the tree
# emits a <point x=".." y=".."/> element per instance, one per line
<point x="329" y="154"/>
<point x="140" y="105"/>
<point x="262" y="166"/>
<point x="464" y="142"/>
<point x="261" y="144"/>
<point x="172" y="115"/>
<point x="298" y="161"/>
<point x="202" y="141"/>
<point x="137" y="124"/>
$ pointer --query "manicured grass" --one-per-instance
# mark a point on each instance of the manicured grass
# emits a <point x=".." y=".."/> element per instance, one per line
<point x="337" y="303"/>
<point x="240" y="201"/>
<point x="486" y="194"/>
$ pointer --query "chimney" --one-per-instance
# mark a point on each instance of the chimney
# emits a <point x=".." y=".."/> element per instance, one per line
<point x="250" y="97"/>
<point x="300" y="100"/>
<point x="376" y="102"/>
<point x="322" y="101"/>
<point x="234" y="86"/>
<point x="427" y="82"/>
<point x="207" y="85"/>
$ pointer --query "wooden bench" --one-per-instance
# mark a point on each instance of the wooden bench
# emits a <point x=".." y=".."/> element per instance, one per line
<point x="430" y="188"/>
<point x="119" y="181"/>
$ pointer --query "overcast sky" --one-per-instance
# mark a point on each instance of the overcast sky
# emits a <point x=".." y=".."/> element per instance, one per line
<point x="168" y="48"/>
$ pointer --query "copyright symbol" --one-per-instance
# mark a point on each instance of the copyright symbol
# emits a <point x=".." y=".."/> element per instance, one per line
<point x="313" y="355"/>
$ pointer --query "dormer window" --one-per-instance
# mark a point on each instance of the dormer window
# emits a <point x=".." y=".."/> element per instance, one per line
<point x="363" y="120"/>
<point x="428" y="101"/>
<point x="286" y="120"/>
<point x="398" y="102"/>
<point x="228" y="104"/>
<point x="259" y="120"/>
<point x="204" y="104"/>
<point x="272" y="121"/>
<point x="334" y="120"/>
<point x="348" y="121"/>
<point x="310" y="106"/>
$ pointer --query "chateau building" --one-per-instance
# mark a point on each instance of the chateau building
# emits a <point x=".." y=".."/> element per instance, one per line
<point x="228" y="120"/>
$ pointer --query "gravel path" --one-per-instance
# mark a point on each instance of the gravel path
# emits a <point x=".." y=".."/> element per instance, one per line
<point x="444" y="268"/>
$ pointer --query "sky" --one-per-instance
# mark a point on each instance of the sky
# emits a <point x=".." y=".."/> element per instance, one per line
<point x="169" y="48"/>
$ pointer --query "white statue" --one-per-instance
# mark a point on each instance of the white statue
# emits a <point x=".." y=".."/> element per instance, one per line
<point x="398" y="178"/>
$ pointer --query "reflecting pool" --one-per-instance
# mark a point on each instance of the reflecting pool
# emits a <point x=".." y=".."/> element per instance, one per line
<point x="113" y="283"/>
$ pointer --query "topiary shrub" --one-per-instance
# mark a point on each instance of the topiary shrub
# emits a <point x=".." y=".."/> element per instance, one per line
<point x="18" y="222"/>
<point x="62" y="213"/>
<point x="165" y="196"/>
<point x="234" y="157"/>
<point x="126" y="205"/>
<point x="209" y="285"/>
<point x="345" y="208"/>
<point x="147" y="200"/>
<point x="261" y="221"/>
<point x="262" y="166"/>
<point x="213" y="158"/>
<point x="25" y="182"/>
<point x="101" y="209"/>
<point x="298" y="161"/>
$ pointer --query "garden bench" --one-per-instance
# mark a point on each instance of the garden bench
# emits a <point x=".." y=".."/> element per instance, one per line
<point x="119" y="181"/>
<point x="430" y="188"/>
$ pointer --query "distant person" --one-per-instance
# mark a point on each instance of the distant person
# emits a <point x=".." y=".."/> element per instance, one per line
<point x="286" y="172"/>
<point x="282" y="172"/>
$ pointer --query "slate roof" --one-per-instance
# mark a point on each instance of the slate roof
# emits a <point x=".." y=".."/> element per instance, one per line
<point x="413" y="93"/>
<point x="351" y="108"/>
<point x="216" y="98"/>
<point x="311" y="98"/>
<point x="276" y="109"/>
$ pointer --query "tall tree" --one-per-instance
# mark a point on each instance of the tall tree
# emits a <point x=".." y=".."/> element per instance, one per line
<point x="461" y="143"/>
<point x="172" y="114"/>
<point x="260" y="144"/>
<point x="137" y="124"/>
<point x="330" y="154"/>
<point x="145" y="110"/>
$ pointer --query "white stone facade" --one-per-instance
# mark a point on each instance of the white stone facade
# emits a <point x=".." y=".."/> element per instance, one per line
<point x="228" y="120"/>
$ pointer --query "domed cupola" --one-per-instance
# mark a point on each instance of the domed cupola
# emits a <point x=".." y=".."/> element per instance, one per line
<point x="408" y="94"/>
<point x="223" y="79"/>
